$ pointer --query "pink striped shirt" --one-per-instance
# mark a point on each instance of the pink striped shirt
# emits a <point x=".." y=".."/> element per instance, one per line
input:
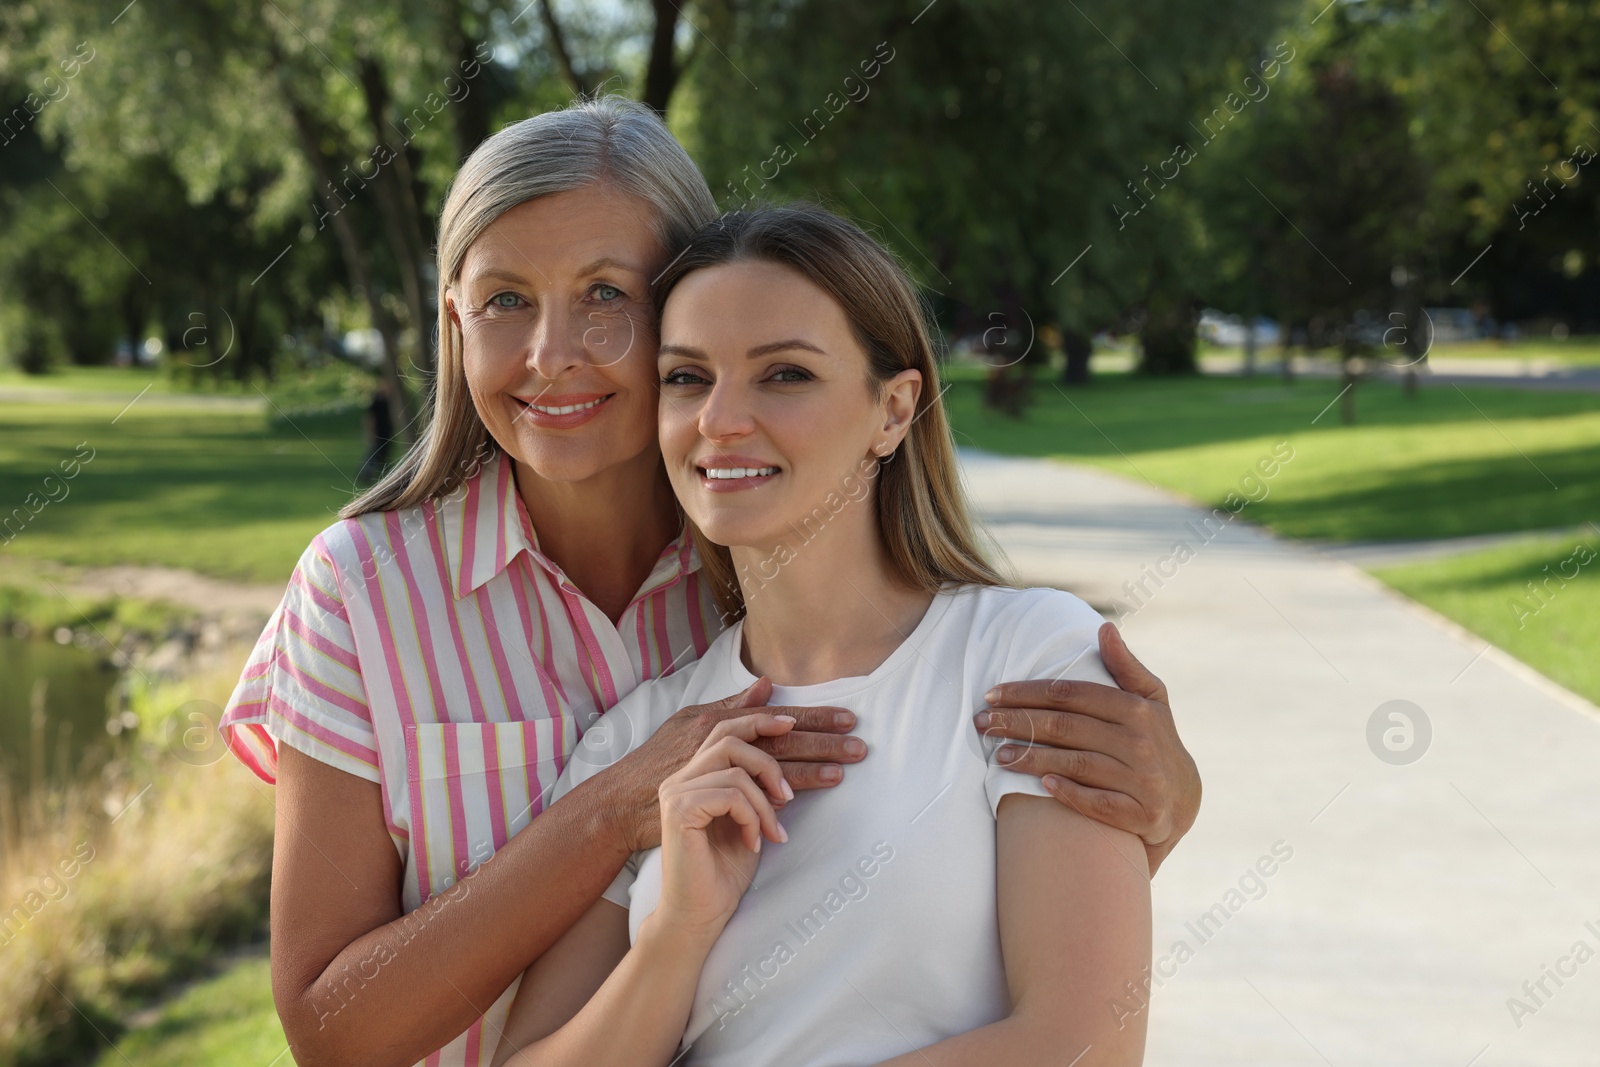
<point x="437" y="652"/>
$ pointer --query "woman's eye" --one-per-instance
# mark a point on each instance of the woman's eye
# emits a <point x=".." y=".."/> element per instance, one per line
<point x="682" y="377"/>
<point x="607" y="292"/>
<point x="790" y="374"/>
<point x="505" y="301"/>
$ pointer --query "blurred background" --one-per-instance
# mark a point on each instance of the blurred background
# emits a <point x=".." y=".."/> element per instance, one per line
<point x="1158" y="239"/>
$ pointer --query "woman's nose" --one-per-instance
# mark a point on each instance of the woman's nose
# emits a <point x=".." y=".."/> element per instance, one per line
<point x="725" y="413"/>
<point x="556" y="347"/>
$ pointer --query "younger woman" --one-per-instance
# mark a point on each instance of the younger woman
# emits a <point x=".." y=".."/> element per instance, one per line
<point x="937" y="906"/>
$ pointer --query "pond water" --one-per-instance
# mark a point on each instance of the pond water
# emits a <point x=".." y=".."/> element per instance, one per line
<point x="72" y="688"/>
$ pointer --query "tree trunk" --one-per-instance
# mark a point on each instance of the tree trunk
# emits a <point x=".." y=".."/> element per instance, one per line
<point x="558" y="45"/>
<point x="399" y="211"/>
<point x="1347" y="396"/>
<point x="472" y="113"/>
<point x="1168" y="336"/>
<point x="1078" y="347"/>
<point x="355" y="262"/>
<point x="1250" y="347"/>
<point x="661" y="76"/>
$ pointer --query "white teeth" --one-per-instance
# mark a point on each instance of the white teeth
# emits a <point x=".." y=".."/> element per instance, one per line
<point x="568" y="409"/>
<point x="739" y="472"/>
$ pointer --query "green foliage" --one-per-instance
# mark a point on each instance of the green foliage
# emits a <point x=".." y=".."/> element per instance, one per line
<point x="988" y="143"/>
<point x="225" y="1021"/>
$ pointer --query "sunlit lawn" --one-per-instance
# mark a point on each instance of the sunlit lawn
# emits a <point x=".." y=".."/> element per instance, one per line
<point x="1449" y="463"/>
<point x="1562" y="350"/>
<point x="229" y="493"/>
<point x="226" y="1021"/>
<point x="238" y="494"/>
<point x="1555" y="628"/>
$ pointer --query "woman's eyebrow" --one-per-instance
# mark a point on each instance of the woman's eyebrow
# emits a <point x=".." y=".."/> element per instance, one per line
<point x="772" y="347"/>
<point x="663" y="351"/>
<point x="603" y="263"/>
<point x="498" y="274"/>
<point x="757" y="352"/>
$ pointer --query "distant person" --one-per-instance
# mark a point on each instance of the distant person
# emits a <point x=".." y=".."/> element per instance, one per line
<point x="378" y="429"/>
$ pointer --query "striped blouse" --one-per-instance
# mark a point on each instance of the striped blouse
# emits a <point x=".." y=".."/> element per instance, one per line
<point x="436" y="651"/>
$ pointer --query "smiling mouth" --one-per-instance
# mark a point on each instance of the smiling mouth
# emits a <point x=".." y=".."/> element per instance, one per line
<point x="567" y="409"/>
<point x="729" y="473"/>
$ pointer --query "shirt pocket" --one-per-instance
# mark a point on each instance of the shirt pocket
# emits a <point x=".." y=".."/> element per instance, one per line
<point x="474" y="785"/>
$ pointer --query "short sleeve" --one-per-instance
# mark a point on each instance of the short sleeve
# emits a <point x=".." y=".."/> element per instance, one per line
<point x="628" y="724"/>
<point x="1055" y="635"/>
<point x="302" y="685"/>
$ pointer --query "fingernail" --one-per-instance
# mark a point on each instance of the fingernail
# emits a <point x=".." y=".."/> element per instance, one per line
<point x="1008" y="753"/>
<point x="786" y="718"/>
<point x="830" y="773"/>
<point x="758" y="843"/>
<point x="983" y="720"/>
<point x="993" y="695"/>
<point x="1052" y="782"/>
<point x="783" y="835"/>
<point x="843" y="718"/>
<point x="855" y="746"/>
<point x="788" y="790"/>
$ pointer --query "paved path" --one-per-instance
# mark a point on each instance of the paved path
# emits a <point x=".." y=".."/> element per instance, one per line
<point x="1514" y="372"/>
<point x="1417" y="898"/>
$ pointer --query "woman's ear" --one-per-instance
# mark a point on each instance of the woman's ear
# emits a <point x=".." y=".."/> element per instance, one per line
<point x="900" y="396"/>
<point x="450" y="306"/>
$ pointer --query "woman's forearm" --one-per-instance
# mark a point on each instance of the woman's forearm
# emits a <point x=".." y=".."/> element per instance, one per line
<point x="412" y="985"/>
<point x="637" y="1016"/>
<point x="1020" y="1040"/>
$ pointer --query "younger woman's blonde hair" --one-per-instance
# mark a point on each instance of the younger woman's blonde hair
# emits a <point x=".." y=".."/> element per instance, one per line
<point x="606" y="141"/>
<point x="922" y="512"/>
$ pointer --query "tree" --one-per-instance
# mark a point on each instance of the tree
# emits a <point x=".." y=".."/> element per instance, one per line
<point x="988" y="143"/>
<point x="1321" y="205"/>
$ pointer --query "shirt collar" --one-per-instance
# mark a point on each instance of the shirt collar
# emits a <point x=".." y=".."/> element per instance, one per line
<point x="486" y="527"/>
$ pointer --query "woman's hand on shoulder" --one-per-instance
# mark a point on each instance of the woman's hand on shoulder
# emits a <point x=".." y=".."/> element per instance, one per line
<point x="1110" y="753"/>
<point x="811" y="755"/>
<point x="714" y="813"/>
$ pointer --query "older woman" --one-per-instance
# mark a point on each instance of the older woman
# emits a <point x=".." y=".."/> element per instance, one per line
<point x="441" y="649"/>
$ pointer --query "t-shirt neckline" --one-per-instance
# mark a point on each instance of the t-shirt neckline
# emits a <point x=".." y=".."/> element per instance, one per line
<point x="836" y="688"/>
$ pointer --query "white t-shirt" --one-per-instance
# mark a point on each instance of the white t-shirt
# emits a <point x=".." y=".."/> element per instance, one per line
<point x="873" y="930"/>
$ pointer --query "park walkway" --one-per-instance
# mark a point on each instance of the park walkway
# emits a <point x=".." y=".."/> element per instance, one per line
<point x="1416" y="898"/>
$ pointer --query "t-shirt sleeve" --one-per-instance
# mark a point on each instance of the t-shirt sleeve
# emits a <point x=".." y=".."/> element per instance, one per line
<point x="302" y="685"/>
<point x="628" y="724"/>
<point x="1054" y="636"/>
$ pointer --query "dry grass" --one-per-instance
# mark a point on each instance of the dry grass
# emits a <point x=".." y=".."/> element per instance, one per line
<point x="113" y="889"/>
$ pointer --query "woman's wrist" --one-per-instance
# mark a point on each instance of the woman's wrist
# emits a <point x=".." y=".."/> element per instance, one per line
<point x="665" y="933"/>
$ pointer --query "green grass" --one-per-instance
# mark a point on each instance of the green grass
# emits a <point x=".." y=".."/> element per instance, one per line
<point x="1449" y="463"/>
<point x="1556" y="631"/>
<point x="1582" y="350"/>
<point x="234" y="494"/>
<point x="226" y="1021"/>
